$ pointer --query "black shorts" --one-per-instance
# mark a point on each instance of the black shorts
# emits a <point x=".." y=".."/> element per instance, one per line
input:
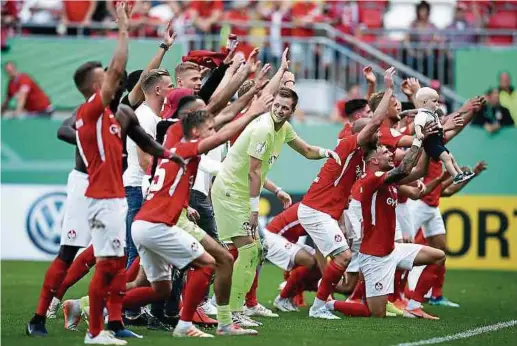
<point x="202" y="204"/>
<point x="433" y="146"/>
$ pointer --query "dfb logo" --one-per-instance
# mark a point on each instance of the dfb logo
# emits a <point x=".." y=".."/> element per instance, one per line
<point x="44" y="221"/>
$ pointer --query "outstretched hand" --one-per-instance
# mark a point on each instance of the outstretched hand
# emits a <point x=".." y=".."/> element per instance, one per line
<point x="388" y="77"/>
<point x="369" y="75"/>
<point x="168" y="35"/>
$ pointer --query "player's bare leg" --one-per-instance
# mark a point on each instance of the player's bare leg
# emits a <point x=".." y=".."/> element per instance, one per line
<point x="433" y="258"/>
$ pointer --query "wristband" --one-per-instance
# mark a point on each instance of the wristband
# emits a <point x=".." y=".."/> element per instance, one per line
<point x="417" y="142"/>
<point x="164" y="46"/>
<point x="254" y="204"/>
<point x="289" y="81"/>
<point x="323" y="152"/>
<point x="278" y="189"/>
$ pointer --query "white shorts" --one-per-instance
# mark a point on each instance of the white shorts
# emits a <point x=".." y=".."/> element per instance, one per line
<point x="107" y="219"/>
<point x="160" y="246"/>
<point x="379" y="272"/>
<point x="355" y="217"/>
<point x="281" y="252"/>
<point x="405" y="219"/>
<point x="427" y="217"/>
<point x="323" y="229"/>
<point x="398" y="231"/>
<point x="76" y="230"/>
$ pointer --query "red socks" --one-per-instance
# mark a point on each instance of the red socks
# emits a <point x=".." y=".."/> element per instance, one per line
<point x="117" y="290"/>
<point x="234" y="252"/>
<point x="198" y="281"/>
<point x="352" y="309"/>
<point x="425" y="282"/>
<point x="251" y="297"/>
<point x="53" y="278"/>
<point x="331" y="277"/>
<point x="359" y="291"/>
<point x="295" y="280"/>
<point x="132" y="271"/>
<point x="99" y="285"/>
<point x="140" y="296"/>
<point x="438" y="285"/>
<point x="79" y="268"/>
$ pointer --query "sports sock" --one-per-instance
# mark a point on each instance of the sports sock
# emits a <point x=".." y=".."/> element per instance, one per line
<point x="223" y="315"/>
<point x="359" y="292"/>
<point x="244" y="270"/>
<point x="424" y="284"/>
<point x="234" y="252"/>
<point x="349" y="309"/>
<point x="79" y="268"/>
<point x="117" y="290"/>
<point x="294" y="281"/>
<point x="331" y="277"/>
<point x="140" y="296"/>
<point x="197" y="282"/>
<point x="132" y="271"/>
<point x="251" y="297"/>
<point x="53" y="277"/>
<point x="437" y="291"/>
<point x="99" y="286"/>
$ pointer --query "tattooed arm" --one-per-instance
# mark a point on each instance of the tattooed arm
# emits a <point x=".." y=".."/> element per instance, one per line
<point x="407" y="164"/>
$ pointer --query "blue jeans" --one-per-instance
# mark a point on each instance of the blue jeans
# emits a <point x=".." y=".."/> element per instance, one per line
<point x="134" y="203"/>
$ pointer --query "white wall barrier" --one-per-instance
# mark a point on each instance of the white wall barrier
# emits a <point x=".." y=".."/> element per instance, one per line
<point x="32" y="216"/>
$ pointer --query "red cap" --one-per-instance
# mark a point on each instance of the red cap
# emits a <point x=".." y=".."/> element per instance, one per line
<point x="173" y="99"/>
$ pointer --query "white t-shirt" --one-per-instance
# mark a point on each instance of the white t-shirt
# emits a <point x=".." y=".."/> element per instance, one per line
<point x="208" y="167"/>
<point x="148" y="120"/>
<point x="425" y="116"/>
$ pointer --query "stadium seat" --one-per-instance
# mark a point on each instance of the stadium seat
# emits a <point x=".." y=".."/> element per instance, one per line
<point x="371" y="17"/>
<point x="502" y="20"/>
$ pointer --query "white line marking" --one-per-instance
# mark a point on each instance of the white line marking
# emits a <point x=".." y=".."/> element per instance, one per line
<point x="463" y="335"/>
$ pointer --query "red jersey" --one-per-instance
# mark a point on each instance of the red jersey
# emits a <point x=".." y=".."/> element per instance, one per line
<point x="287" y="224"/>
<point x="355" y="193"/>
<point x="389" y="136"/>
<point x="345" y="131"/>
<point x="234" y="138"/>
<point x="378" y="203"/>
<point x="100" y="144"/>
<point x="170" y="188"/>
<point x="37" y="100"/>
<point x="435" y="171"/>
<point x="330" y="190"/>
<point x="173" y="136"/>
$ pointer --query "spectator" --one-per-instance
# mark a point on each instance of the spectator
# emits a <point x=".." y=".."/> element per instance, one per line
<point x="239" y="16"/>
<point x="40" y="11"/>
<point x="9" y="19"/>
<point x="460" y="24"/>
<point x="76" y="14"/>
<point x="206" y="14"/>
<point x="493" y="116"/>
<point x="31" y="100"/>
<point x="508" y="95"/>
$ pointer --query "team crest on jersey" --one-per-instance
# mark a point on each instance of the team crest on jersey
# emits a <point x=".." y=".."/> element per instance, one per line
<point x="115" y="130"/>
<point x="115" y="243"/>
<point x="260" y="148"/>
<point x="79" y="123"/>
<point x="378" y="286"/>
<point x="246" y="227"/>
<point x="338" y="238"/>
<point x="71" y="234"/>
<point x="288" y="245"/>
<point x="194" y="247"/>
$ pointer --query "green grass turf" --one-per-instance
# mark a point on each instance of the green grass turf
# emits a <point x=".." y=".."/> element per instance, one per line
<point x="485" y="297"/>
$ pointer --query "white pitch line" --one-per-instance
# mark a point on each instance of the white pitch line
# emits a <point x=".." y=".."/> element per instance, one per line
<point x="463" y="335"/>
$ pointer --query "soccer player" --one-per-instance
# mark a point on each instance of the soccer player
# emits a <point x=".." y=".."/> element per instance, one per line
<point x="280" y="237"/>
<point x="100" y="135"/>
<point x="426" y="213"/>
<point x="327" y="198"/>
<point x="379" y="256"/>
<point x="160" y="242"/>
<point x="236" y="190"/>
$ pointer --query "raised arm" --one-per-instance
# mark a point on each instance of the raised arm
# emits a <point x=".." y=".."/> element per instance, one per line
<point x="408" y="162"/>
<point x="467" y="111"/>
<point x="366" y="134"/>
<point x="312" y="152"/>
<point x="233" y="64"/>
<point x="371" y="81"/>
<point x="136" y="95"/>
<point x="452" y="189"/>
<point x="118" y="63"/>
<point x="276" y="81"/>
<point x="66" y="131"/>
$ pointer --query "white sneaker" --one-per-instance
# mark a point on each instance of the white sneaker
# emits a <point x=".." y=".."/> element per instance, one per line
<point x="282" y="285"/>
<point x="208" y="308"/>
<point x="72" y="313"/>
<point x="53" y="307"/>
<point x="259" y="310"/>
<point x="85" y="314"/>
<point x="284" y="304"/>
<point x="242" y="320"/>
<point x="191" y="332"/>
<point x="322" y="313"/>
<point x="104" y="338"/>
<point x="234" y="330"/>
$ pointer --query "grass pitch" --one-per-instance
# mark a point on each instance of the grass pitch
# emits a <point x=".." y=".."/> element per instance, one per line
<point x="486" y="298"/>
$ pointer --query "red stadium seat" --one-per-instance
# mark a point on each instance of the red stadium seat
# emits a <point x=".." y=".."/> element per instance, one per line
<point x="371" y="17"/>
<point x="502" y="20"/>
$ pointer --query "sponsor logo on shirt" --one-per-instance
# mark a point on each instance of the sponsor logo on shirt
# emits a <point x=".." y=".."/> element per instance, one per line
<point x="260" y="148"/>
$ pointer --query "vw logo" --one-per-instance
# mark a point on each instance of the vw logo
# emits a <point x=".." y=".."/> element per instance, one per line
<point x="44" y="221"/>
